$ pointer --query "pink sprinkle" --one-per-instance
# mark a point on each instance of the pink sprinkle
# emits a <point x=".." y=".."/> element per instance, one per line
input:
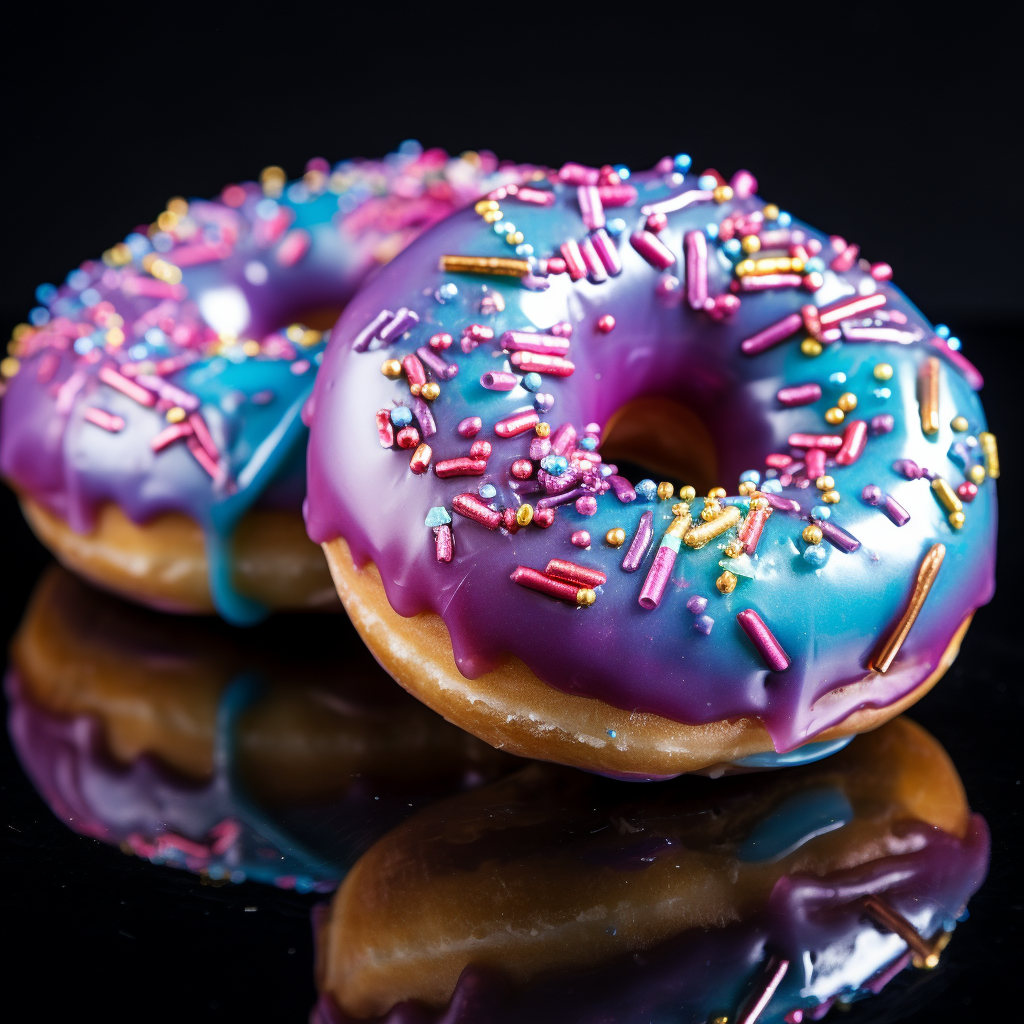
<point x="563" y="440"/>
<point x="967" y="491"/>
<point x="881" y="271"/>
<point x="47" y="367"/>
<point x="472" y="507"/>
<point x="744" y="184"/>
<point x="845" y="260"/>
<point x="414" y="371"/>
<point x="578" y="174"/>
<point x="761" y="636"/>
<point x="587" y="505"/>
<point x="678" y="202"/>
<point x="641" y="542"/>
<point x="766" y="282"/>
<point x="202" y="456"/>
<point x="169" y="435"/>
<point x="657" y="222"/>
<point x="657" y="577"/>
<point x="443" y="543"/>
<point x="573" y="259"/>
<point x="480" y="450"/>
<point x="591" y="206"/>
<point x="580" y="538"/>
<point x="563" y="329"/>
<point x="534" y="580"/>
<point x="846" y="308"/>
<point x="478" y="333"/>
<point x="830" y="442"/>
<point x="522" y="469"/>
<point x="293" y="247"/>
<point x="443" y="370"/>
<point x="68" y="390"/>
<point x="581" y="575"/>
<point x="535" y="195"/>
<point x="470" y="426"/>
<point x="385" y="429"/>
<point x="776" y="460"/>
<point x="460" y="467"/>
<point x="595" y="268"/>
<point x="771" y="336"/>
<point x="300" y="366"/>
<point x="814" y="461"/>
<point x="106" y="420"/>
<point x="518" y="423"/>
<point x="532" y="362"/>
<point x="543" y="517"/>
<point x="127" y="387"/>
<point x="696" y="246"/>
<point x="855" y="438"/>
<point x="653" y="249"/>
<point x="200" y="252"/>
<point x="799" y="394"/>
<point x="544" y="344"/>
<point x="408" y="437"/>
<point x="606" y="324"/>
<point x="617" y="195"/>
<point x="439" y="342"/>
<point x="606" y="251"/>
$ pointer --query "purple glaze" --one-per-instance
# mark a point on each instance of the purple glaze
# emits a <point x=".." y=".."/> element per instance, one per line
<point x="828" y="621"/>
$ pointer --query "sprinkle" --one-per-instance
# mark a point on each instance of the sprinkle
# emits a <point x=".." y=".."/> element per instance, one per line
<point x="108" y="421"/>
<point x="580" y="538"/>
<point x="754" y="1005"/>
<point x="499" y="380"/>
<point x="652" y="249"/>
<point x="169" y="392"/>
<point x="440" y="341"/>
<point x="991" y="453"/>
<point x="470" y="506"/>
<point x="779" y="503"/>
<point x="202" y="435"/>
<point x="293" y="247"/>
<point x="606" y="252"/>
<point x="950" y="501"/>
<point x="543" y="517"/>
<point x="855" y="437"/>
<point x="573" y="573"/>
<point x="827" y="442"/>
<point x="586" y="505"/>
<point x="437" y="365"/>
<point x="460" y="467"/>
<point x="928" y="394"/>
<point x="726" y="583"/>
<point x="777" y="460"/>
<point x="768" y="282"/>
<point x="925" y="953"/>
<point x="403" y="320"/>
<point x="518" y="423"/>
<point x="761" y="636"/>
<point x="837" y="536"/>
<point x="127" y="387"/>
<point x="750" y="531"/>
<point x="437" y="516"/>
<point x="443" y="543"/>
<point x="578" y="174"/>
<point x="595" y="268"/>
<point x="883" y="423"/>
<point x="647" y="489"/>
<point x="401" y="415"/>
<point x="542" y="344"/>
<point x="640" y="543"/>
<point x="661" y="568"/>
<point x="534" y="580"/>
<point x="678" y="202"/>
<point x="470" y="426"/>
<point x="573" y="259"/>
<point x="622" y="487"/>
<point x="491" y="266"/>
<point x="428" y="426"/>
<point x="532" y="362"/>
<point x="704" y="624"/>
<point x="170" y="434"/>
<point x="606" y="324"/>
<point x="617" y="195"/>
<point x="771" y="336"/>
<point x="814" y="463"/>
<point x="369" y="332"/>
<point x="967" y="491"/>
<point x="799" y="394"/>
<point x="420" y="459"/>
<point x="591" y="206"/>
<point x="845" y="260"/>
<point x="926" y="574"/>
<point x="202" y="456"/>
<point x="703" y="532"/>
<point x="536" y="196"/>
<point x="414" y="371"/>
<point x="524" y="514"/>
<point x="846" y="308"/>
<point x="696" y="248"/>
<point x="615" y="537"/>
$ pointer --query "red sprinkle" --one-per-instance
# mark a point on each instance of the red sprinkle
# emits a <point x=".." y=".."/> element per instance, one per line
<point x="855" y="437"/>
<point x="480" y="450"/>
<point x="522" y="469"/>
<point x="439" y="342"/>
<point x="420" y="459"/>
<point x="777" y="460"/>
<point x="472" y="507"/>
<point x="518" y="423"/>
<point x="606" y="324"/>
<point x="799" y="394"/>
<point x="573" y="259"/>
<point x="414" y="369"/>
<point x="533" y="580"/>
<point x="534" y="362"/>
<point x="470" y="426"/>
<point x="460" y="467"/>
<point x="967" y="491"/>
<point x="408" y="437"/>
<point x="543" y="517"/>
<point x="573" y="573"/>
<point x="385" y="430"/>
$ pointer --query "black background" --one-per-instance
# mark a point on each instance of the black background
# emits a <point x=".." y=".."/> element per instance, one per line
<point x="900" y="133"/>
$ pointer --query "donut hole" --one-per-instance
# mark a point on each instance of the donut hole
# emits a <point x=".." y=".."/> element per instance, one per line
<point x="662" y="439"/>
<point x="322" y="318"/>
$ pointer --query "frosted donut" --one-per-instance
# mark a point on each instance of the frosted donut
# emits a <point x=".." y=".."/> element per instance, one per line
<point x="555" y="897"/>
<point x="152" y="423"/>
<point x="822" y="533"/>
<point x="186" y="743"/>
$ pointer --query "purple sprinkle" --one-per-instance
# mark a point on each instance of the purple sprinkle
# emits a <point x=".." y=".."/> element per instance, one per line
<point x="539" y="448"/>
<point x="587" y="505"/>
<point x="641" y="542"/>
<point x="553" y="501"/>
<point x="622" y="487"/>
<point x="872" y="494"/>
<point x="703" y="624"/>
<point x="424" y="416"/>
<point x="782" y="504"/>
<point x="895" y="511"/>
<point x="882" y="423"/>
<point x="443" y="370"/>
<point x="837" y="536"/>
<point x="404" y="319"/>
<point x="499" y="380"/>
<point x="697" y="604"/>
<point x="543" y="402"/>
<point x="908" y="468"/>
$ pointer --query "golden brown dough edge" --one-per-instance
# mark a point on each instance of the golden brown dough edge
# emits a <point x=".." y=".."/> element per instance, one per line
<point x="513" y="710"/>
<point x="163" y="563"/>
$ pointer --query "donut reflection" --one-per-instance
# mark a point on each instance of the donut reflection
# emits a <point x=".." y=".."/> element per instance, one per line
<point x="276" y="755"/>
<point x="554" y="896"/>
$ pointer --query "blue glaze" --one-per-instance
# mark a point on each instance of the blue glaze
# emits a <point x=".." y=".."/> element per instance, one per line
<point x="797" y="821"/>
<point x="801" y="755"/>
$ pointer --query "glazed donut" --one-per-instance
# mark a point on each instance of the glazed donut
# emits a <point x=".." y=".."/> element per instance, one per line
<point x="558" y="897"/>
<point x="811" y="577"/>
<point x="152" y="422"/>
<point x="188" y="744"/>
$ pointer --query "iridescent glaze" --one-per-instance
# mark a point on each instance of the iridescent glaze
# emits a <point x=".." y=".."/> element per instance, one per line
<point x="197" y="312"/>
<point x="650" y="330"/>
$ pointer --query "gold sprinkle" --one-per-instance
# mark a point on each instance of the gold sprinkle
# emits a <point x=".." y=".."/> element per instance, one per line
<point x="824" y="483"/>
<point x="830" y="497"/>
<point x="9" y="366"/>
<point x="976" y="474"/>
<point x="746" y="488"/>
<point x="834" y="415"/>
<point x="734" y="549"/>
<point x="251" y="348"/>
<point x="493" y="216"/>
<point x="391" y="368"/>
<point x="959" y="424"/>
<point x="926" y="574"/>
<point x="484" y="205"/>
<point x="175" y="414"/>
<point x="687" y="493"/>
<point x="167" y="221"/>
<point x="924" y="952"/>
<point x="847" y="401"/>
<point x="928" y="394"/>
<point x="295" y="332"/>
<point x="711" y="510"/>
<point x="22" y="331"/>
<point x="700" y="534"/>
<point x="810" y="347"/>
<point x="585" y="598"/>
<point x="751" y="243"/>
<point x="488" y="265"/>
<point x="514" y="237"/>
<point x="524" y="514"/>
<point x="430" y="390"/>
<point x="722" y="194"/>
<point x="771" y="212"/>
<point x="680" y="508"/>
<point x="716" y="492"/>
<point x="542" y="429"/>
<point x="882" y="371"/>
<point x="726" y="583"/>
<point x="310" y="338"/>
<point x="665" y="490"/>
<point x="988" y="446"/>
<point x="273" y="181"/>
<point x="957" y="520"/>
<point x="178" y="206"/>
<point x="812" y="533"/>
<point x="615" y="537"/>
<point x="114" y="337"/>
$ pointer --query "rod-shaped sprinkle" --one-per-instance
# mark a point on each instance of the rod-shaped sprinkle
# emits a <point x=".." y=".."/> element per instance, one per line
<point x="534" y="580"/>
<point x="845" y="308"/>
<point x="763" y="639"/>
<point x="641" y="542"/>
<point x="661" y="568"/>
<point x="925" y="952"/>
<point x="385" y="428"/>
<point x="827" y="442"/>
<point x="370" y="331"/>
<point x="489" y="266"/>
<point x="678" y="202"/>
<point x="201" y="456"/>
<point x="769" y="980"/>
<point x="695" y="244"/>
<point x="573" y="573"/>
<point x="472" y="507"/>
<point x="537" y="196"/>
<point x="534" y="362"/>
<point x="991" y="453"/>
<point x="404" y="320"/>
<point x="617" y="195"/>
<point x="573" y="259"/>
<point x="112" y="378"/>
<point x="767" y="282"/>
<point x="460" y="467"/>
<point x="926" y="573"/>
<point x="750" y="532"/>
<point x="855" y="437"/>
<point x="591" y="260"/>
<point x="202" y="435"/>
<point x="413" y="367"/>
<point x="517" y="423"/>
<point x="542" y="344"/>
<point x="799" y="394"/>
<point x="928" y="394"/>
<point x="591" y="206"/>
<point x="499" y="380"/>
<point x="425" y="418"/>
<point x="107" y="420"/>
<point x="623" y="489"/>
<point x="443" y="543"/>
<point x="700" y="534"/>
<point x="419" y="461"/>
<point x="777" y="501"/>
<point x="606" y="251"/>
<point x="653" y="249"/>
<point x="439" y="367"/>
<point x="176" y="431"/>
<point x="814" y="463"/>
<point x="837" y="536"/>
<point x="771" y="336"/>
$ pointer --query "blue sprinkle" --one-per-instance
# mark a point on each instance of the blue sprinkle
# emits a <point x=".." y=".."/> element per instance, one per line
<point x="90" y="297"/>
<point x="711" y="231"/>
<point x="154" y="336"/>
<point x="784" y="220"/>
<point x="821" y="512"/>
<point x="697" y="604"/>
<point x="612" y="733"/>
<point x="401" y="416"/>
<point x="953" y="343"/>
<point x="971" y="441"/>
<point x="964" y="915"/>
<point x="487" y="491"/>
<point x="163" y="242"/>
<point x="78" y="279"/>
<point x="297" y="192"/>
<point x="543" y="402"/>
<point x="837" y="378"/>
<point x="647" y="489"/>
<point x="45" y="293"/>
<point x="39" y="316"/>
<point x="139" y="244"/>
<point x="446" y="292"/>
<point x="942" y="330"/>
<point x="138" y="351"/>
<point x="770" y="474"/>
<point x="882" y="393"/>
<point x="708" y="182"/>
<point x="410" y="147"/>
<point x="815" y="265"/>
<point x="816" y="555"/>
<point x="503" y="227"/>
<point x="588" y="443"/>
<point x="682" y="162"/>
<point x="772" y="486"/>
<point x="750" y="476"/>
<point x="605" y="470"/>
<point x="83" y="345"/>
<point x="615" y="226"/>
<point x="703" y="624"/>
<point x="733" y="249"/>
<point x="554" y="464"/>
<point x="524" y="249"/>
<point x="532" y="381"/>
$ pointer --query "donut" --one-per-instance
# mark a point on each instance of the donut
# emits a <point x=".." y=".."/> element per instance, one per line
<point x="152" y="423"/>
<point x="706" y="490"/>
<point x="189" y="744"/>
<point x="556" y="896"/>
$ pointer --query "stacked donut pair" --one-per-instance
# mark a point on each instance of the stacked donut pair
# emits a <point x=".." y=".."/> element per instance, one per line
<point x="634" y="472"/>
